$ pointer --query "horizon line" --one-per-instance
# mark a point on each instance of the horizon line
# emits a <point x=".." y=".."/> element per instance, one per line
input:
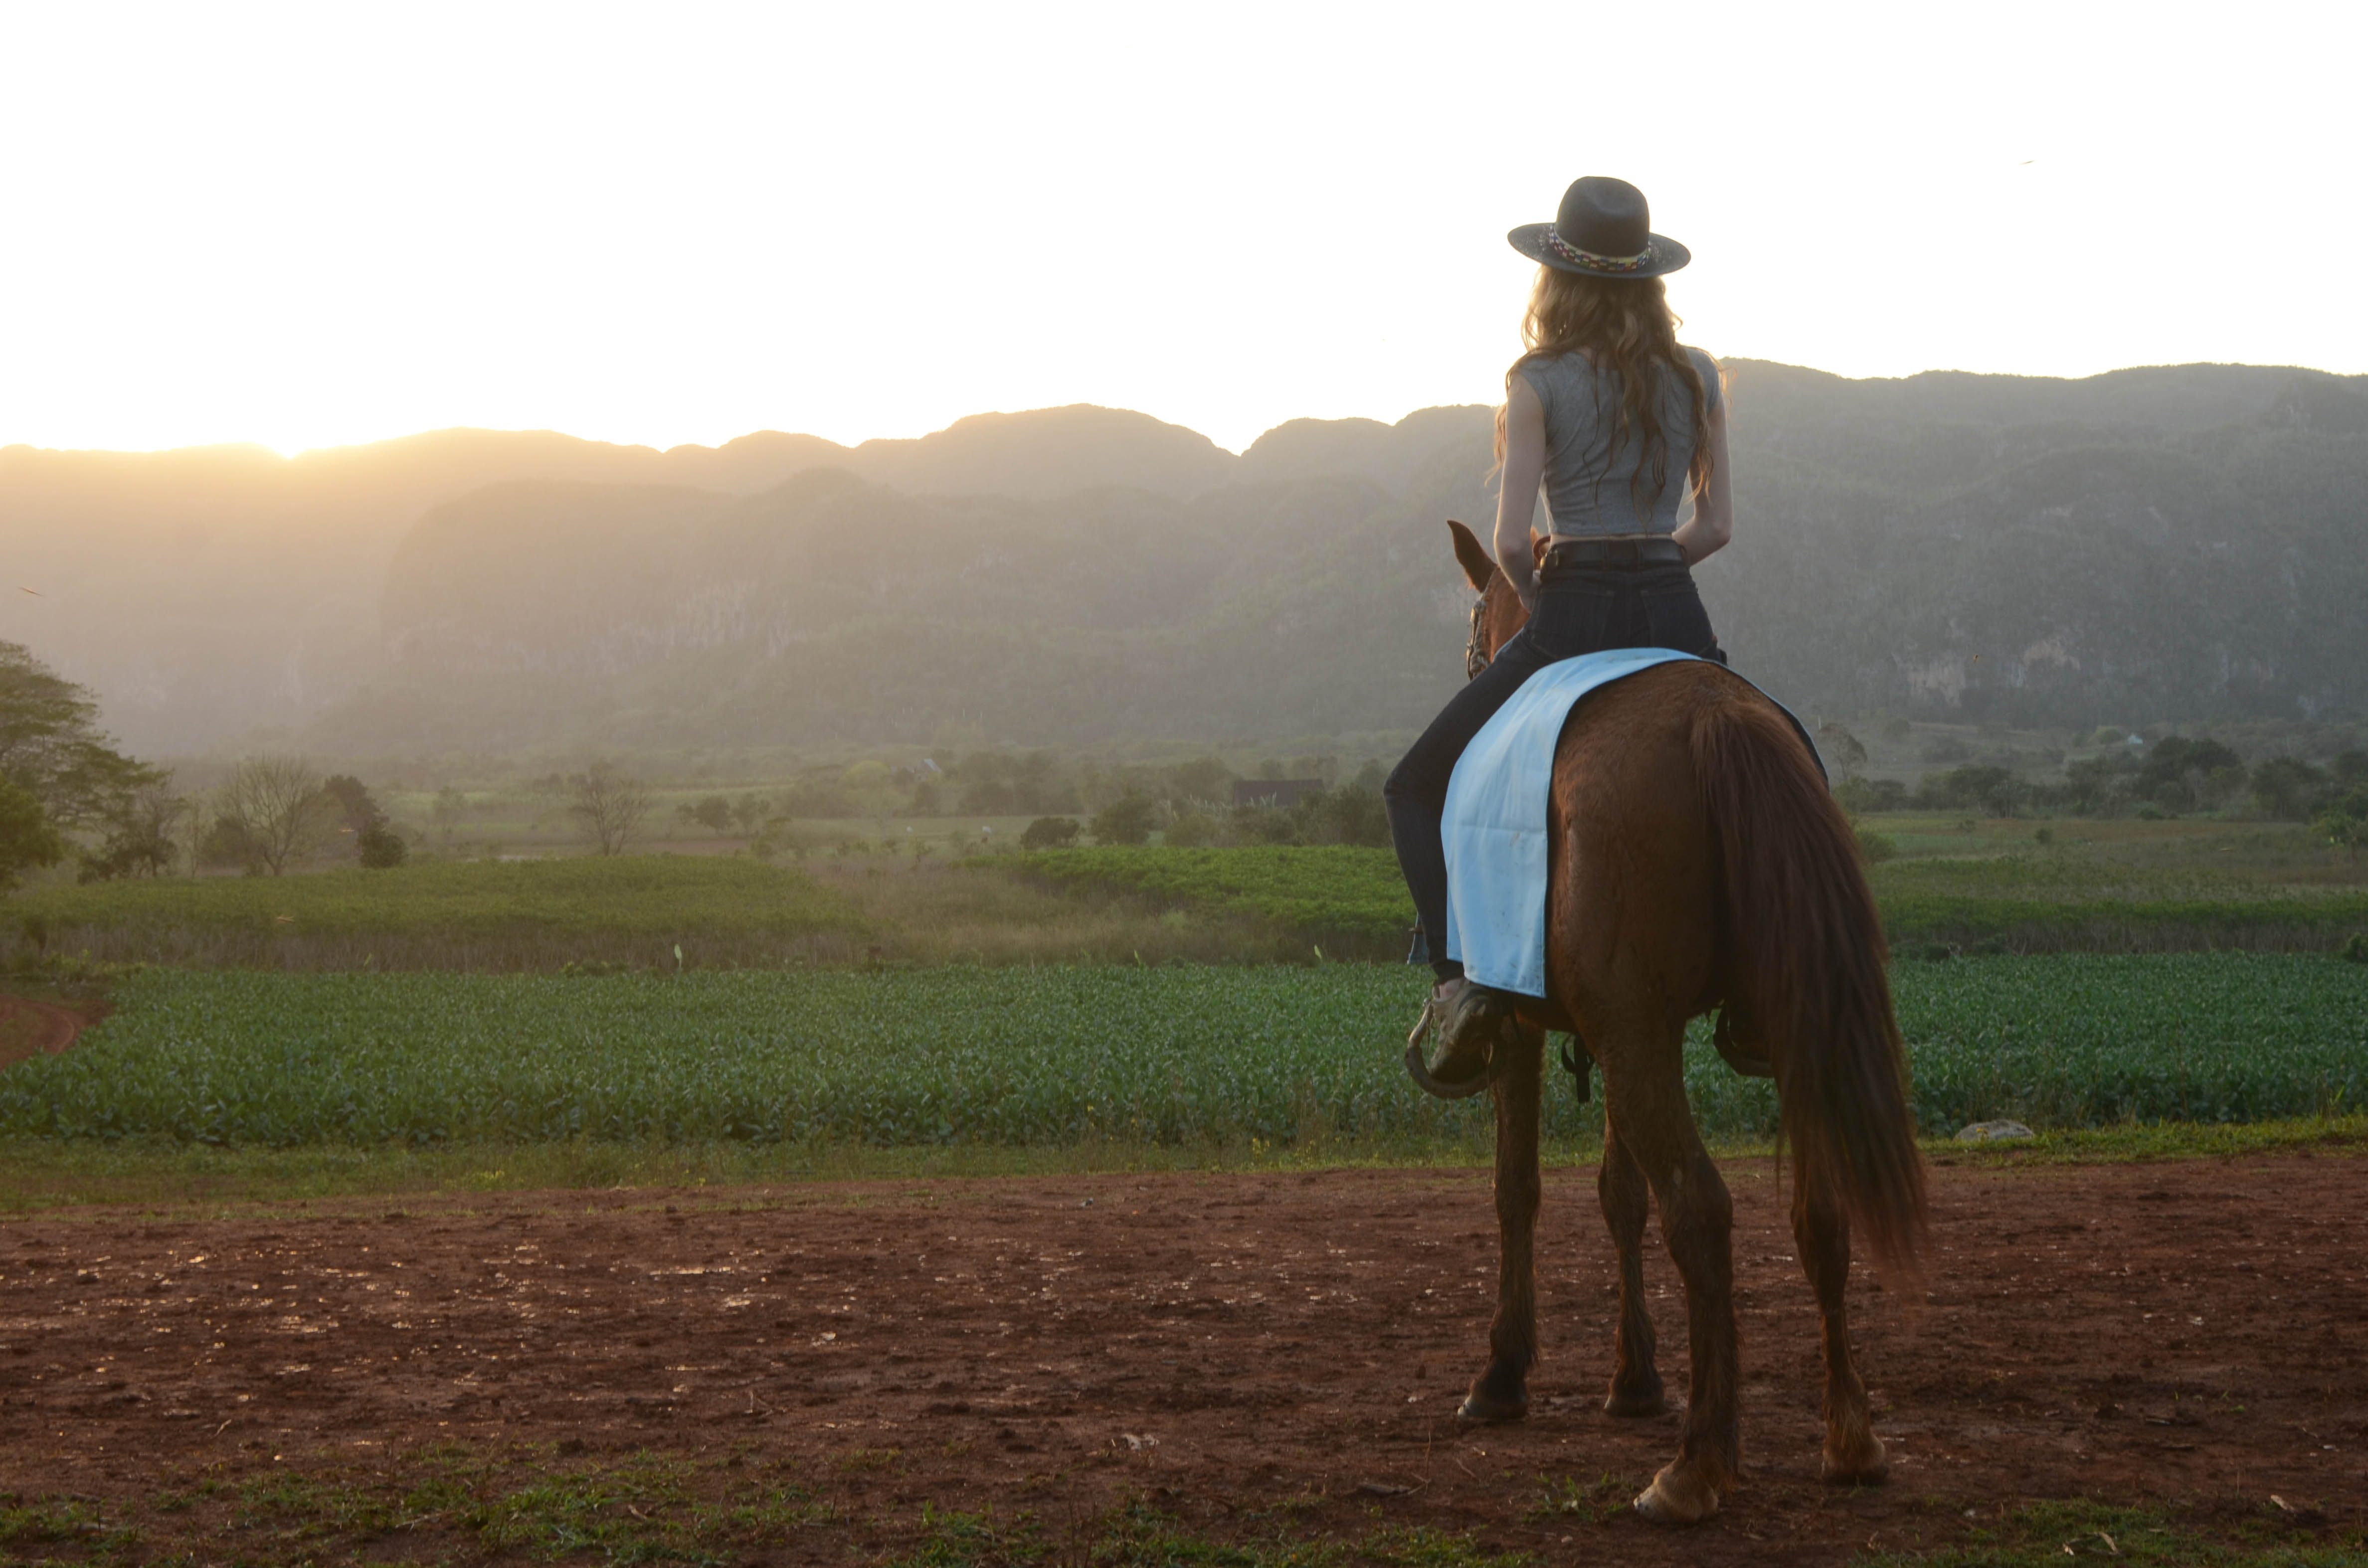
<point x="297" y="453"/>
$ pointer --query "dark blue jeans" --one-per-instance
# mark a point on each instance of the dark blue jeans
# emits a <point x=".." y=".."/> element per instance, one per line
<point x="1583" y="611"/>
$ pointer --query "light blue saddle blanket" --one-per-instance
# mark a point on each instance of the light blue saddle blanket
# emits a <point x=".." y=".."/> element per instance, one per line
<point x="1495" y="829"/>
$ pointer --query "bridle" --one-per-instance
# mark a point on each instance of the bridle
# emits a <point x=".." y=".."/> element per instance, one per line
<point x="1475" y="652"/>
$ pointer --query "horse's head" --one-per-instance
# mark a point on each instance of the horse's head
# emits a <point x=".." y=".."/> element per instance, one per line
<point x="1497" y="613"/>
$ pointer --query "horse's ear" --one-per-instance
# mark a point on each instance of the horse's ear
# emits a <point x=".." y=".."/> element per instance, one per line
<point x="1477" y="567"/>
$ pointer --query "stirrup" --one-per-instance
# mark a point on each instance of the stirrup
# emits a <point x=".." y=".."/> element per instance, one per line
<point x="1434" y="1019"/>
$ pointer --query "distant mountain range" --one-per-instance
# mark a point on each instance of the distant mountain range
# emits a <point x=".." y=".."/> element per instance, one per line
<point x="2177" y="543"/>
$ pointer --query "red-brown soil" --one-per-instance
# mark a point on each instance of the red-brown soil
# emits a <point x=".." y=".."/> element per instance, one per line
<point x="2189" y="1335"/>
<point x="29" y="1028"/>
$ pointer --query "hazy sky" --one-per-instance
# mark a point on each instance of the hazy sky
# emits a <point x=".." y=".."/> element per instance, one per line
<point x="327" y="224"/>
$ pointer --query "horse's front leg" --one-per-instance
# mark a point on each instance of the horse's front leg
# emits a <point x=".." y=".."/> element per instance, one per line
<point x="1501" y="1393"/>
<point x="1625" y="1197"/>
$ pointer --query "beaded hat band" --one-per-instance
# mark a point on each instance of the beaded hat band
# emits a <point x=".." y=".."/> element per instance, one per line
<point x="1603" y="229"/>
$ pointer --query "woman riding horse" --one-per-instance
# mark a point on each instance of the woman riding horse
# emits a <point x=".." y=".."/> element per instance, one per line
<point x="1695" y="862"/>
<point x="1618" y="421"/>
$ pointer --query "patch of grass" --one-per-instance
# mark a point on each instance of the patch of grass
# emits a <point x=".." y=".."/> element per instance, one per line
<point x="988" y="911"/>
<point x="1597" y="1502"/>
<point x="35" y="1522"/>
<point x="1136" y="1537"/>
<point x="1338" y="891"/>
<point x="950" y="1538"/>
<point x="2044" y="1534"/>
<point x="45" y="1176"/>
<point x="480" y="915"/>
<point x="2097" y="902"/>
<point x="637" y="1507"/>
<point x="2139" y="1142"/>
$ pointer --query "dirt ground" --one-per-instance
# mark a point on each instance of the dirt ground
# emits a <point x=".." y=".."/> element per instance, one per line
<point x="29" y="1028"/>
<point x="1250" y="1355"/>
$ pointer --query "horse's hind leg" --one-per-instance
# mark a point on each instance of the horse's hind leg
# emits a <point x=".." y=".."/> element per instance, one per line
<point x="1821" y="1229"/>
<point x="1644" y="1096"/>
<point x="1620" y="1188"/>
<point x="1501" y="1393"/>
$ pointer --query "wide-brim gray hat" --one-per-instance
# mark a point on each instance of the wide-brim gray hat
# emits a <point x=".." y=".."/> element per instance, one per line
<point x="1604" y="230"/>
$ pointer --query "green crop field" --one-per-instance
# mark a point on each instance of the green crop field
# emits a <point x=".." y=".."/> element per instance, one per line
<point x="1171" y="1055"/>
<point x="1258" y="903"/>
<point x="1336" y="888"/>
<point x="2025" y="901"/>
<point x="479" y="914"/>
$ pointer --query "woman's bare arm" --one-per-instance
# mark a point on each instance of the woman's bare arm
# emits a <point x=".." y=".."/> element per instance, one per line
<point x="1517" y="493"/>
<point x="1713" y="524"/>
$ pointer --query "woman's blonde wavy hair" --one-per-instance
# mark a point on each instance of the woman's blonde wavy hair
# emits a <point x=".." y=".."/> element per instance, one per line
<point x="1622" y="326"/>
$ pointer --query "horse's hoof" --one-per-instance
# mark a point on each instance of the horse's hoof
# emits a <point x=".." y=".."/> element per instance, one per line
<point x="1677" y="1497"/>
<point x="1633" y="1403"/>
<point x="1858" y="1466"/>
<point x="1500" y="1394"/>
<point x="1490" y="1411"/>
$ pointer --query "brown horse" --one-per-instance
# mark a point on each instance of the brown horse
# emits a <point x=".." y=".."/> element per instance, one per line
<point x="1698" y="862"/>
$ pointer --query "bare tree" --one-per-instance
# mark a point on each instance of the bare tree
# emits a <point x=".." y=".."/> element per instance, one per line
<point x="1843" y="750"/>
<point x="276" y="801"/>
<point x="611" y="805"/>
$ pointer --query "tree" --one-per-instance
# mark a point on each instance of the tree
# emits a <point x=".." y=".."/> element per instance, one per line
<point x="1842" y="749"/>
<point x="27" y="838"/>
<point x="380" y="848"/>
<point x="610" y="806"/>
<point x="714" y="814"/>
<point x="276" y="801"/>
<point x="52" y="748"/>
<point x="142" y="836"/>
<point x="1049" y="832"/>
<point x="750" y="812"/>
<point x="1127" y="820"/>
<point x="356" y="810"/>
<point x="1991" y="790"/>
<point x="2344" y="824"/>
<point x="2284" y="787"/>
<point x="225" y="843"/>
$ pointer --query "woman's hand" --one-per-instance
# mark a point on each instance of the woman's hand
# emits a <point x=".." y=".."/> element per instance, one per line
<point x="1517" y="489"/>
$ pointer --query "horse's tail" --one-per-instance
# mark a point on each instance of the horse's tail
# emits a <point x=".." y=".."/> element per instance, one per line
<point x="1805" y="961"/>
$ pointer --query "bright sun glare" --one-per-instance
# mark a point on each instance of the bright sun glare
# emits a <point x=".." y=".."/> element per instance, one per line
<point x="320" y="226"/>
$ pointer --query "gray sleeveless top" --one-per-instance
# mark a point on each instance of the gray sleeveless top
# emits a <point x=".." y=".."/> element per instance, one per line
<point x="1587" y="487"/>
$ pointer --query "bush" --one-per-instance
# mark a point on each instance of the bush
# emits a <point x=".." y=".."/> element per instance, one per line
<point x="2356" y="948"/>
<point x="1127" y="820"/>
<point x="1345" y="815"/>
<point x="1860" y="795"/>
<point x="1193" y="830"/>
<point x="2345" y="822"/>
<point x="2284" y="787"/>
<point x="1049" y="832"/>
<point x="228" y="845"/>
<point x="1994" y="791"/>
<point x="1873" y="846"/>
<point x="380" y="848"/>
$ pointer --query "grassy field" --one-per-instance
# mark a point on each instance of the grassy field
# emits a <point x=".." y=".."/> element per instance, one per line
<point x="482" y="914"/>
<point x="1170" y="1056"/>
<point x="2016" y="896"/>
<point x="2120" y="887"/>
<point x="1350" y="895"/>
